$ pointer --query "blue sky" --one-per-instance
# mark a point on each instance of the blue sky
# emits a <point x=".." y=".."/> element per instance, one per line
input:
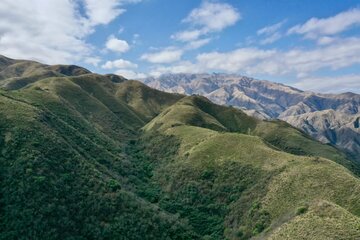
<point x="312" y="45"/>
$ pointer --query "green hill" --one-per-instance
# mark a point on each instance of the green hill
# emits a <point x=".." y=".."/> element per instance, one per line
<point x="88" y="156"/>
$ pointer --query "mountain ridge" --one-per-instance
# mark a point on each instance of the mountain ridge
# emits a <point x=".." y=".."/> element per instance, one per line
<point x="268" y="100"/>
<point x="95" y="156"/>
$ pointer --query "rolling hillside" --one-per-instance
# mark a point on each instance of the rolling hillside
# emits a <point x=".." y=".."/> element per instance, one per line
<point x="330" y="118"/>
<point x="88" y="156"/>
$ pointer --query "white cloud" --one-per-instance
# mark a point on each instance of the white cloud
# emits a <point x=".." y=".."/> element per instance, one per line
<point x="136" y="39"/>
<point x="335" y="56"/>
<point x="121" y="30"/>
<point x="271" y="33"/>
<point x="197" y="43"/>
<point x="48" y="31"/>
<point x="209" y="17"/>
<point x="93" y="61"/>
<point x="271" y="29"/>
<point x="117" y="45"/>
<point x="326" y="40"/>
<point x="119" y="63"/>
<point x="213" y="16"/>
<point x="124" y="68"/>
<point x="173" y="54"/>
<point x="53" y="31"/>
<point x="105" y="11"/>
<point x="165" y="56"/>
<point x="337" y="84"/>
<point x="188" y="35"/>
<point x="102" y="12"/>
<point x="273" y="62"/>
<point x="182" y="67"/>
<point x="316" y="27"/>
<point x="270" y="39"/>
<point x="331" y="54"/>
<point x="129" y="74"/>
<point x="233" y="61"/>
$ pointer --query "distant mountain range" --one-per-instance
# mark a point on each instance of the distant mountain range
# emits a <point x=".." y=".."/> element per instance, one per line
<point x="330" y="118"/>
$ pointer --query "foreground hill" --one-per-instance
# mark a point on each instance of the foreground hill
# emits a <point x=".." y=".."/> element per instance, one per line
<point x="266" y="100"/>
<point x="88" y="156"/>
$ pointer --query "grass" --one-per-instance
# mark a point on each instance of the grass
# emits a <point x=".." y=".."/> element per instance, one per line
<point x="289" y="139"/>
<point x="259" y="186"/>
<point x="64" y="177"/>
<point x="198" y="111"/>
<point x="87" y="156"/>
<point x="144" y="100"/>
<point x="335" y="221"/>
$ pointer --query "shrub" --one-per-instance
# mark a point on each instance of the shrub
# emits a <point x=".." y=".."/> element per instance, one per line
<point x="301" y="210"/>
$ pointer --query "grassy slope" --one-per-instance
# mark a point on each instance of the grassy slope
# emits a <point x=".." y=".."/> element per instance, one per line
<point x="65" y="172"/>
<point x="73" y="166"/>
<point x="16" y="74"/>
<point x="234" y="184"/>
<point x="286" y="138"/>
<point x="146" y="101"/>
<point x="198" y="111"/>
<point x="335" y="222"/>
<point x="245" y="179"/>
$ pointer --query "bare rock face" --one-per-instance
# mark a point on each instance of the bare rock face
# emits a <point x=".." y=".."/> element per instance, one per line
<point x="330" y="118"/>
<point x="330" y="126"/>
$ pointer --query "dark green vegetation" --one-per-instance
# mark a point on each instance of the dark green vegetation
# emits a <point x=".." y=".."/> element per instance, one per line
<point x="87" y="156"/>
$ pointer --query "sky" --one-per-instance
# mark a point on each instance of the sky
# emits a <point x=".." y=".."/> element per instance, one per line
<point x="309" y="44"/>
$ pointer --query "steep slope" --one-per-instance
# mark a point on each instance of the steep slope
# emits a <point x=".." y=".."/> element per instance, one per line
<point x="94" y="156"/>
<point x="199" y="111"/>
<point x="148" y="102"/>
<point x="330" y="126"/>
<point x="269" y="98"/>
<point x="234" y="185"/>
<point x="324" y="214"/>
<point x="266" y="100"/>
<point x="66" y="171"/>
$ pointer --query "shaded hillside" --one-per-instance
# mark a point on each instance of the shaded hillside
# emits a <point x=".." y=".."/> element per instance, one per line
<point x="88" y="156"/>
